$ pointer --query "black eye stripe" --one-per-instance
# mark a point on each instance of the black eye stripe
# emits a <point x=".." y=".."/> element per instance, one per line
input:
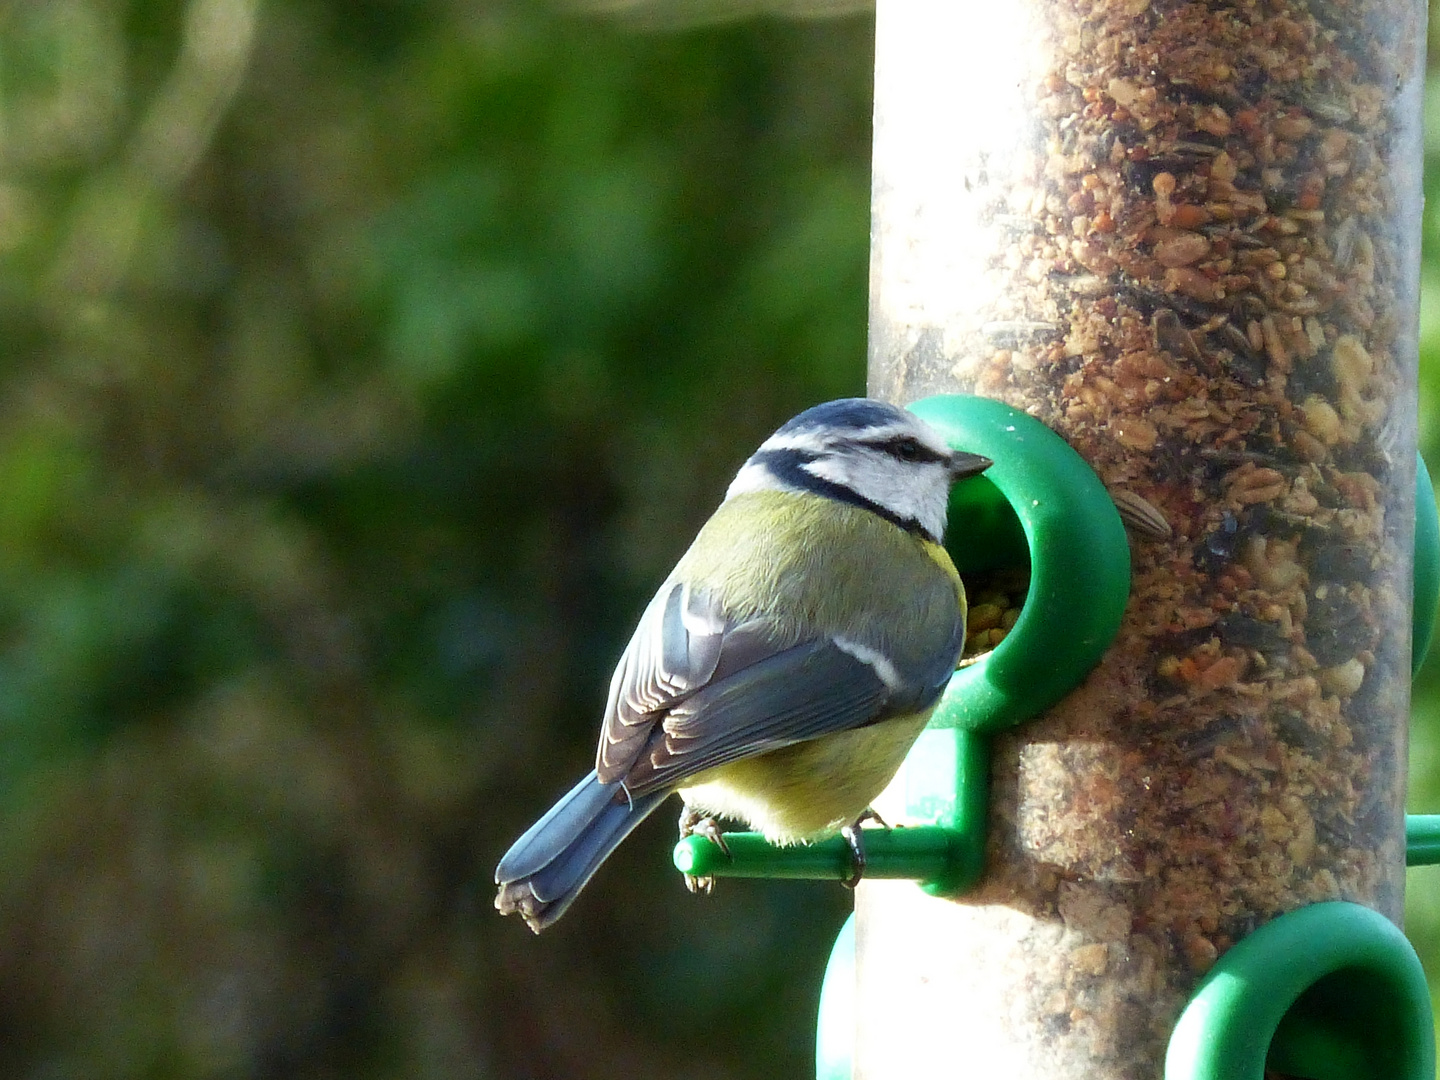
<point x="906" y="448"/>
<point x="787" y="466"/>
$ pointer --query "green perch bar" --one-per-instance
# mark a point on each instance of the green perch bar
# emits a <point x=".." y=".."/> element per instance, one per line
<point x="944" y="851"/>
<point x="921" y="852"/>
<point x="1422" y="840"/>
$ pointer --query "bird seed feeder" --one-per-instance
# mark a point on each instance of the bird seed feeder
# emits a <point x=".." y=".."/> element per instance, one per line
<point x="1159" y="256"/>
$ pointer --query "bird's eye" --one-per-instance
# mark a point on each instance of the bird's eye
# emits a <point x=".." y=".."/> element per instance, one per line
<point x="907" y="450"/>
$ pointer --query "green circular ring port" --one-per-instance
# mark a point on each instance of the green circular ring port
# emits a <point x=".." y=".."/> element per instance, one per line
<point x="1332" y="991"/>
<point x="1078" y="551"/>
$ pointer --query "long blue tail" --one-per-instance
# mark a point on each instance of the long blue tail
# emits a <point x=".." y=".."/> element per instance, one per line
<point x="546" y="868"/>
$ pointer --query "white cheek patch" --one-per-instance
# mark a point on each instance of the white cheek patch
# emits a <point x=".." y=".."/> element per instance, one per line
<point x="866" y="474"/>
<point x="755" y="478"/>
<point x="912" y="491"/>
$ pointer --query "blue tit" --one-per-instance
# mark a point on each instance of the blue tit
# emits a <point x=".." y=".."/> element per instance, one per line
<point x="789" y="661"/>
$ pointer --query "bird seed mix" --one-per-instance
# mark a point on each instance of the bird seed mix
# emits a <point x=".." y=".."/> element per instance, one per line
<point x="1185" y="236"/>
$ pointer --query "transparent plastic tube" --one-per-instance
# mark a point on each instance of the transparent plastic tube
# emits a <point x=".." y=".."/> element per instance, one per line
<point x="1186" y="237"/>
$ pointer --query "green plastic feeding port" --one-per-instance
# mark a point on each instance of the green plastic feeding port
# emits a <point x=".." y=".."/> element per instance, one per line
<point x="1039" y="505"/>
<point x="1333" y="991"/>
<point x="1079" y="562"/>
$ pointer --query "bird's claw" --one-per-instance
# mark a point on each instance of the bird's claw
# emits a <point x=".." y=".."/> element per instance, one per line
<point x="693" y="823"/>
<point x="853" y="841"/>
<point x="856" y="843"/>
<point x="710" y="829"/>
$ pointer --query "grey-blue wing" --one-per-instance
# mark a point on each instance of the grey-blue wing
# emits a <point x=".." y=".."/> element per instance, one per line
<point x="800" y="693"/>
<point x="696" y="689"/>
<point x="682" y="643"/>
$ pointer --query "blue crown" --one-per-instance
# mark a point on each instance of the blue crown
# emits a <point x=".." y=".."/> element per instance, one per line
<point x="853" y="414"/>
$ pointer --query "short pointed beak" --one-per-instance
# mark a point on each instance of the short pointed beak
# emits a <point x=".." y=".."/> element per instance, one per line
<point x="963" y="465"/>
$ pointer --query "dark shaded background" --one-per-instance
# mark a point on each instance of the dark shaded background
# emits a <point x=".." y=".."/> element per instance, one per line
<point x="363" y="367"/>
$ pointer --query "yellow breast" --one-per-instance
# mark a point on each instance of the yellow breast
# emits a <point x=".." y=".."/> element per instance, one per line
<point x="811" y="789"/>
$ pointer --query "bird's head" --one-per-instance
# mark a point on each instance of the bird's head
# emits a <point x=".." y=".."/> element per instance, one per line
<point x="867" y="453"/>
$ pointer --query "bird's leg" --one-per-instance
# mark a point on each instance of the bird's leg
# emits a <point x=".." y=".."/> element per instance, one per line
<point x="869" y="814"/>
<point x="851" y="833"/>
<point x="856" y="844"/>
<point x="694" y="823"/>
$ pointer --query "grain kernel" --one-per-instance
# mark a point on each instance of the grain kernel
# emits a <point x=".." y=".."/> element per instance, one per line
<point x="1292" y="127"/>
<point x="1181" y="250"/>
<point x="1137" y="433"/>
<point x="1344" y="679"/>
<point x="983" y="617"/>
<point x="1191" y="282"/>
<point x="1321" y="420"/>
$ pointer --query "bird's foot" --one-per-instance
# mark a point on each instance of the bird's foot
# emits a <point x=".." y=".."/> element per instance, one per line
<point x="871" y="815"/>
<point x="856" y="843"/>
<point x="851" y="833"/>
<point x="694" y="823"/>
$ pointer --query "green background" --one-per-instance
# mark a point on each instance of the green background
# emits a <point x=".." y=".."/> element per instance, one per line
<point x="363" y="366"/>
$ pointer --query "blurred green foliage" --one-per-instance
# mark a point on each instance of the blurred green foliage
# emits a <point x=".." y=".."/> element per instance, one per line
<point x="364" y="364"/>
